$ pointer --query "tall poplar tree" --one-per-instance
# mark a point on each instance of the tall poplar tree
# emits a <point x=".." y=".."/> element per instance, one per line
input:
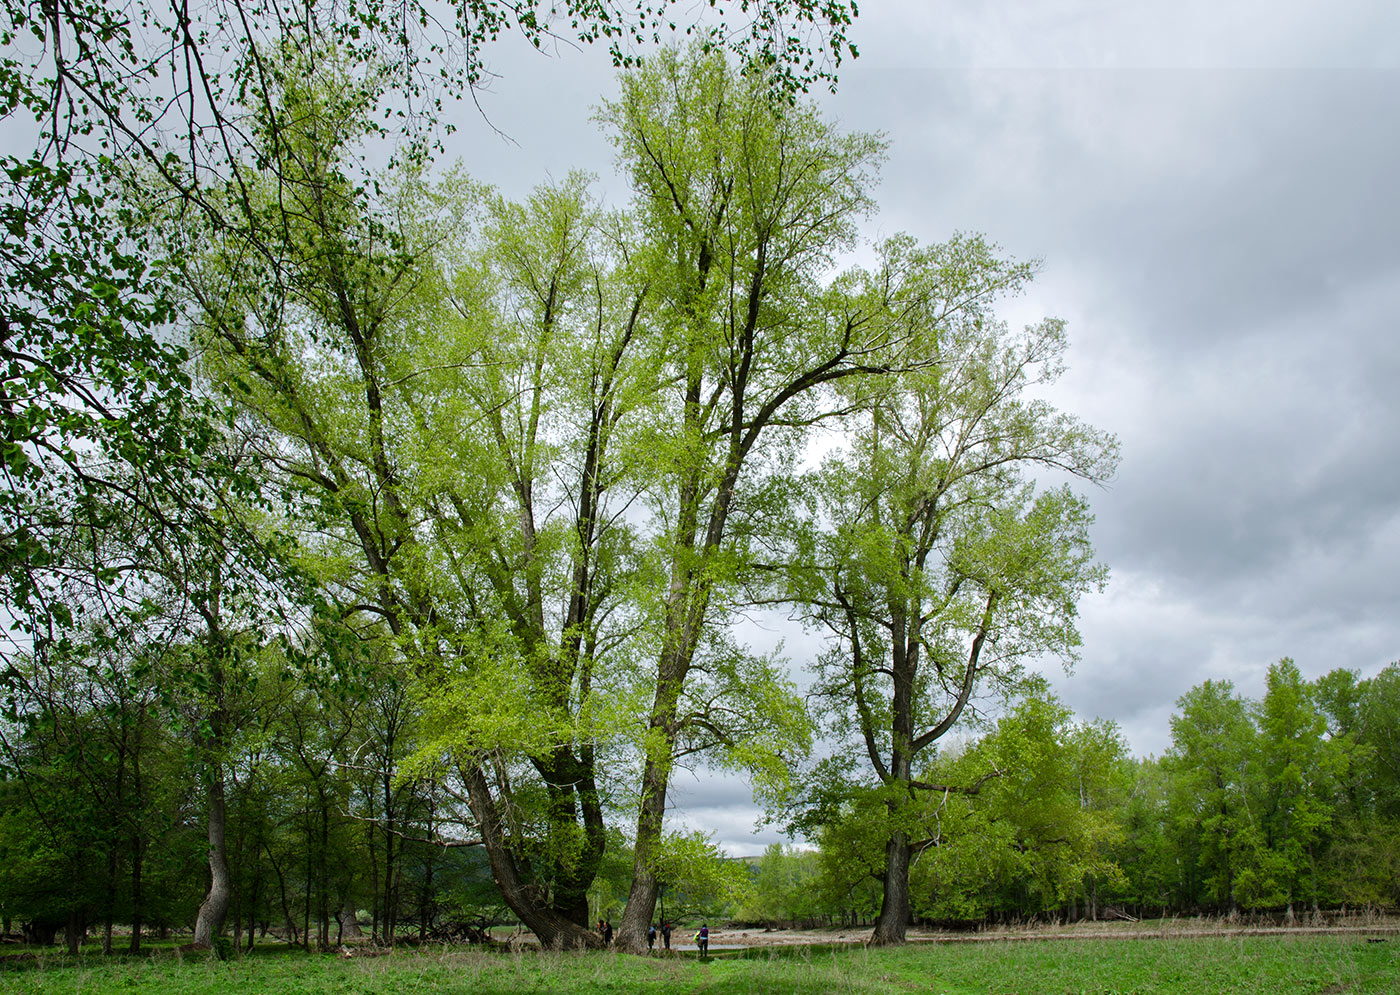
<point x="940" y="570"/>
<point x="744" y="200"/>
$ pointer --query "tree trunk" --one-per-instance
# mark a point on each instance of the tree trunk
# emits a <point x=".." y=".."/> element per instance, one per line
<point x="425" y="898"/>
<point x="682" y="626"/>
<point x="138" y="855"/>
<point x="111" y="898"/>
<point x="215" y="907"/>
<point x="74" y="931"/>
<point x="641" y="898"/>
<point x="306" y="892"/>
<point x="573" y="804"/>
<point x="349" y="921"/>
<point x="893" y="921"/>
<point x="323" y="910"/>
<point x="554" y="930"/>
<point x="253" y="901"/>
<point x="390" y="910"/>
<point x="372" y="847"/>
<point x="282" y="890"/>
<point x="76" y="925"/>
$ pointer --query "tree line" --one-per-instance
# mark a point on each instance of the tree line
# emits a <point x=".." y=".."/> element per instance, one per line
<point x="1282" y="805"/>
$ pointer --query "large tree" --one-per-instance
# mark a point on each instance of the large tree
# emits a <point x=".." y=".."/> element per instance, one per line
<point x="437" y="379"/>
<point x="744" y="202"/>
<point x="939" y="570"/>
<point x="1302" y="768"/>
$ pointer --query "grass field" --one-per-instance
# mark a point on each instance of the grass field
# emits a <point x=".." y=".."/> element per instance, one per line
<point x="1322" y="965"/>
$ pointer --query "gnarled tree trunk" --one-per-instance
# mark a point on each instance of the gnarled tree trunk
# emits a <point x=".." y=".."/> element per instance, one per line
<point x="554" y="929"/>
<point x="214" y="909"/>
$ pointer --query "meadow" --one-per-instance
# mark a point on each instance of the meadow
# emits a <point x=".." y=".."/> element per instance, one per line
<point x="1299" y="965"/>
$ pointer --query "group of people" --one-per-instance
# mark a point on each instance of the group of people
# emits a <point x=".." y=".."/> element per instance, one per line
<point x="665" y="930"/>
<point x="702" y="938"/>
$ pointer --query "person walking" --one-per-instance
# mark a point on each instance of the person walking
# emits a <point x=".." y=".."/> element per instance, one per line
<point x="702" y="939"/>
<point x="607" y="933"/>
<point x="666" y="935"/>
<point x="651" y="936"/>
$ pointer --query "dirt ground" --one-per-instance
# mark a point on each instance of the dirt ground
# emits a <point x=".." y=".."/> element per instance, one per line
<point x="1105" y="930"/>
<point x="1378" y="926"/>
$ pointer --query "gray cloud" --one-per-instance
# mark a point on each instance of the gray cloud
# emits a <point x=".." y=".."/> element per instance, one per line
<point x="1218" y="229"/>
<point x="721" y="805"/>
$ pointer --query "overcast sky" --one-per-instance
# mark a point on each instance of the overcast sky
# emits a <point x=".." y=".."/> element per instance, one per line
<point x="1213" y="188"/>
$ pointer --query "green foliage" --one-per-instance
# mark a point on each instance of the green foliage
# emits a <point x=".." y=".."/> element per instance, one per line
<point x="1146" y="855"/>
<point x="1264" y="798"/>
<point x="785" y="887"/>
<point x="92" y="797"/>
<point x="1378" y="734"/>
<point x="1030" y="820"/>
<point x="698" y="879"/>
<point x="1032" y="834"/>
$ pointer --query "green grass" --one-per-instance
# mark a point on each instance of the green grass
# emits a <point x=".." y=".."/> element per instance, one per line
<point x="1318" y="965"/>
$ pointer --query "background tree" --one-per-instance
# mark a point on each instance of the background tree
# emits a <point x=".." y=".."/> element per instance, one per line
<point x="1379" y="733"/>
<point x="1151" y="876"/>
<point x="1364" y="859"/>
<point x="1031" y="839"/>
<point x="1098" y="755"/>
<point x="94" y="792"/>
<point x="1213" y="763"/>
<point x="1301" y="770"/>
<point x="784" y="888"/>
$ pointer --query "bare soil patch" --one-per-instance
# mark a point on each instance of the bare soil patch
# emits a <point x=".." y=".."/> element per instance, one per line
<point x="1377" y="927"/>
